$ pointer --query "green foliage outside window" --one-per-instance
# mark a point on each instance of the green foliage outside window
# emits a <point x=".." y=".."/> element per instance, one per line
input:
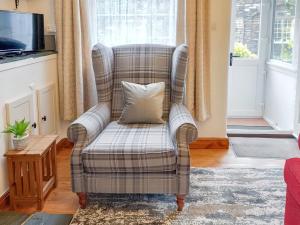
<point x="287" y="52"/>
<point x="242" y="50"/>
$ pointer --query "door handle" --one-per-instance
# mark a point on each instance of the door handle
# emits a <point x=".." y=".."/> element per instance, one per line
<point x="231" y="56"/>
<point x="44" y="118"/>
<point x="33" y="125"/>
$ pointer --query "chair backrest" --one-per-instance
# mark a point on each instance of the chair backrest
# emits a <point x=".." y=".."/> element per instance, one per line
<point x="142" y="64"/>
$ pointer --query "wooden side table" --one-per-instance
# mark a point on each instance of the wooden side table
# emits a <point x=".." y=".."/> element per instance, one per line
<point x="32" y="171"/>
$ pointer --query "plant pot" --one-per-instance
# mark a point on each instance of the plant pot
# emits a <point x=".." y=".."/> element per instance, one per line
<point x="20" y="143"/>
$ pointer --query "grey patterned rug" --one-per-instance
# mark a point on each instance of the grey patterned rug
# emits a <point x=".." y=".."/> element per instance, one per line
<point x="217" y="196"/>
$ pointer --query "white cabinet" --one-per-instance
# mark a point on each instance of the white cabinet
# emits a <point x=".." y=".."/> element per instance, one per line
<point x="21" y="108"/>
<point x="40" y="113"/>
<point x="46" y="106"/>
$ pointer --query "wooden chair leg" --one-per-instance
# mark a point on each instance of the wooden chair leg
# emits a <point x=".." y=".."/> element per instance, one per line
<point x="180" y="202"/>
<point x="82" y="199"/>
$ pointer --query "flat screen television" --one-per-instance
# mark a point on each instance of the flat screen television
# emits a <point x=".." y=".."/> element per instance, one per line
<point x="21" y="32"/>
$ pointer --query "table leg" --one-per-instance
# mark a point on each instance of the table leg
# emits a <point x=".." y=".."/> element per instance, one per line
<point x="11" y="181"/>
<point x="39" y="177"/>
<point x="54" y="166"/>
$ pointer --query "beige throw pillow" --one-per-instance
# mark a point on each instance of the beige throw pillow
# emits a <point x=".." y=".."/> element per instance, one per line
<point x="142" y="103"/>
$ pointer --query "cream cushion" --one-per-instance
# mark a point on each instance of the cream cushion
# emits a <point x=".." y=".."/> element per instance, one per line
<point x="142" y="103"/>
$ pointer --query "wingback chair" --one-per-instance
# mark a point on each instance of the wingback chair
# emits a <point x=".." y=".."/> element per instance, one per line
<point x="109" y="157"/>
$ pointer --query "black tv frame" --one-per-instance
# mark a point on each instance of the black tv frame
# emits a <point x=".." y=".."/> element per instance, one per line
<point x="41" y="40"/>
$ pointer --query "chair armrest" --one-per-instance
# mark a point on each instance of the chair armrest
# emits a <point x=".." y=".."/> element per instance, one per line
<point x="88" y="126"/>
<point x="82" y="132"/>
<point x="182" y="126"/>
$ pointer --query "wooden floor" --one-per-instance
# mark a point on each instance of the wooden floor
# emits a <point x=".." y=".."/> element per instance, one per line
<point x="62" y="200"/>
<point x="247" y="122"/>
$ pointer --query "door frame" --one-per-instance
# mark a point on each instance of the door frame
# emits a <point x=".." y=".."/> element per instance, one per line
<point x="297" y="60"/>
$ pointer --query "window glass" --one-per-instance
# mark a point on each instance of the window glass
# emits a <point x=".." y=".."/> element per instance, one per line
<point x="247" y="28"/>
<point x="136" y="21"/>
<point x="283" y="30"/>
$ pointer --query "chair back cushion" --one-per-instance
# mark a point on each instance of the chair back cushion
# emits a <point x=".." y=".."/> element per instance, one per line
<point x="142" y="64"/>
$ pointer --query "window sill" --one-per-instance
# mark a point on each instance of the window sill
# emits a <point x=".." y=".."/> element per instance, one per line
<point x="282" y="67"/>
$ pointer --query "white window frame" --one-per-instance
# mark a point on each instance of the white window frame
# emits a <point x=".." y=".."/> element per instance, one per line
<point x="297" y="60"/>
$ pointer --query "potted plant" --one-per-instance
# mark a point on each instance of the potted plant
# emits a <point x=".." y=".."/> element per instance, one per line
<point x="20" y="133"/>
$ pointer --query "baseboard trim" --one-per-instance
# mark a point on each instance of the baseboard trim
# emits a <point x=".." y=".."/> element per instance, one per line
<point x="64" y="143"/>
<point x="4" y="199"/>
<point x="210" y="143"/>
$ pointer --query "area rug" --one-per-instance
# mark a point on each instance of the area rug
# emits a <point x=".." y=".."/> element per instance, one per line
<point x="279" y="148"/>
<point x="217" y="196"/>
<point x="12" y="218"/>
<point x="48" y="219"/>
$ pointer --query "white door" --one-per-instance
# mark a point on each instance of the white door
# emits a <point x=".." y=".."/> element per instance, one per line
<point x="249" y="38"/>
<point x="46" y="109"/>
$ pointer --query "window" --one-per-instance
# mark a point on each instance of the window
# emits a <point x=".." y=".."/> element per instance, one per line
<point x="136" y="21"/>
<point x="247" y="28"/>
<point x="283" y="30"/>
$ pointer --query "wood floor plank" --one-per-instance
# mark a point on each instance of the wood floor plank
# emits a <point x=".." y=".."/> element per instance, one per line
<point x="63" y="200"/>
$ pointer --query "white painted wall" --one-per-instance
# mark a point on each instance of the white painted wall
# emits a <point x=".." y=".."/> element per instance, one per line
<point x="280" y="94"/>
<point x="10" y="5"/>
<point x="15" y="79"/>
<point x="297" y="111"/>
<point x="220" y="13"/>
<point x="47" y="8"/>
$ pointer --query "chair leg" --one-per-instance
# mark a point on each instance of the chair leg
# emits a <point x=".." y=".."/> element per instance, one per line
<point x="82" y="199"/>
<point x="180" y="202"/>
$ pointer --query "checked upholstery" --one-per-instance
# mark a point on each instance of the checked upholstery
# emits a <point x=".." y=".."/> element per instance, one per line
<point x="134" y="158"/>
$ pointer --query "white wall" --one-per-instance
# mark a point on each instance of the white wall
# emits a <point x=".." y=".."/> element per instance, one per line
<point x="220" y="13"/>
<point x="280" y="96"/>
<point x="14" y="83"/>
<point x="10" y="5"/>
<point x="47" y="8"/>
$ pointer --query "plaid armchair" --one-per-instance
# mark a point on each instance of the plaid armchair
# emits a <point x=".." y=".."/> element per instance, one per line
<point x="136" y="158"/>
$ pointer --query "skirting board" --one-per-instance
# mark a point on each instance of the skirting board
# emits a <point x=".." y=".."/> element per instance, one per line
<point x="4" y="199"/>
<point x="210" y="143"/>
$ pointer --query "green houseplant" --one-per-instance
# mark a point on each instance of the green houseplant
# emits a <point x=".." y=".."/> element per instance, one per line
<point x="19" y="130"/>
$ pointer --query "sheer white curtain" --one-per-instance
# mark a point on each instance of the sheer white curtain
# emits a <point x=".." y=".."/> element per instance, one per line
<point x="136" y="21"/>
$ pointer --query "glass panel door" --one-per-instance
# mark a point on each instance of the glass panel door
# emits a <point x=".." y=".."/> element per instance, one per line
<point x="247" y="28"/>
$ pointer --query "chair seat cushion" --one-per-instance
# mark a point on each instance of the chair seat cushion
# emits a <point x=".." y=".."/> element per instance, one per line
<point x="131" y="148"/>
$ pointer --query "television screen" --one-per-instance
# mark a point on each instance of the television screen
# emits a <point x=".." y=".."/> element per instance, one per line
<point x="21" y="31"/>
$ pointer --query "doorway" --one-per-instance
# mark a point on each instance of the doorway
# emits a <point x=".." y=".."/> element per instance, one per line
<point x="263" y="70"/>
